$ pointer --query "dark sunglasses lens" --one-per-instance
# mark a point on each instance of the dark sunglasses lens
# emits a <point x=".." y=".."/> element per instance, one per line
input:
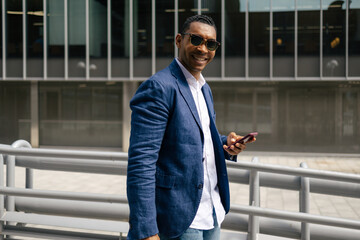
<point x="196" y="40"/>
<point x="211" y="45"/>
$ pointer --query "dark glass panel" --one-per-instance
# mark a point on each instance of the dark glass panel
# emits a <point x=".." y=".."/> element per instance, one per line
<point x="35" y="38"/>
<point x="55" y="38"/>
<point x="165" y="41"/>
<point x="142" y="38"/>
<point x="1" y="45"/>
<point x="98" y="38"/>
<point x="308" y="38"/>
<point x="334" y="33"/>
<point x="14" y="41"/>
<point x="235" y="38"/>
<point x="354" y="39"/>
<point x="283" y="38"/>
<point x="259" y="27"/>
<point x="120" y="38"/>
<point x="77" y="38"/>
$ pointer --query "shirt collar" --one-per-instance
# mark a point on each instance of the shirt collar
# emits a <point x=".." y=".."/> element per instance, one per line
<point x="190" y="78"/>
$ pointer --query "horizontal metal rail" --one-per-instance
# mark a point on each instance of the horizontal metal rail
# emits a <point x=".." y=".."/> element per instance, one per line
<point x="116" y="156"/>
<point x="329" y="175"/>
<point x="92" y="197"/>
<point x="296" y="216"/>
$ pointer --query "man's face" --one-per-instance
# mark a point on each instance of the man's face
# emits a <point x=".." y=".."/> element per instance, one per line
<point x="195" y="58"/>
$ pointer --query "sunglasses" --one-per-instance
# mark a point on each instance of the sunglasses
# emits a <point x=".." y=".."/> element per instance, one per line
<point x="197" y="40"/>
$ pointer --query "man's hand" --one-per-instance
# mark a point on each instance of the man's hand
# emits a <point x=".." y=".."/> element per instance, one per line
<point x="155" y="237"/>
<point x="237" y="148"/>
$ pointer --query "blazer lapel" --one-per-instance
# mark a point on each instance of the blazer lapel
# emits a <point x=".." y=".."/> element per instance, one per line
<point x="185" y="90"/>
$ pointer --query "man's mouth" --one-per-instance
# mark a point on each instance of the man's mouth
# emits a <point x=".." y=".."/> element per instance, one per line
<point x="200" y="58"/>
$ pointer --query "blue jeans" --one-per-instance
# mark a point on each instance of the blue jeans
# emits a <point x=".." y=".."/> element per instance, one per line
<point x="196" y="234"/>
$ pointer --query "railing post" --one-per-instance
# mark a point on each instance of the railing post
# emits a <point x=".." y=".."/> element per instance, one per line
<point x="2" y="210"/>
<point x="28" y="172"/>
<point x="254" y="200"/>
<point x="304" y="203"/>
<point x="10" y="175"/>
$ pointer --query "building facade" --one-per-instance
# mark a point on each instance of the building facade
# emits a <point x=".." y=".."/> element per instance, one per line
<point x="289" y="69"/>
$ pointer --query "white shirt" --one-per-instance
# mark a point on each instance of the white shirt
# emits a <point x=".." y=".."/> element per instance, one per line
<point x="210" y="198"/>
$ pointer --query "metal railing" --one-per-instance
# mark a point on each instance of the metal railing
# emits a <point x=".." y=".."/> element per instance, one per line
<point x="109" y="212"/>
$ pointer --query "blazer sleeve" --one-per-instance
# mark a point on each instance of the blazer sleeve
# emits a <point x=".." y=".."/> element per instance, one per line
<point x="148" y="123"/>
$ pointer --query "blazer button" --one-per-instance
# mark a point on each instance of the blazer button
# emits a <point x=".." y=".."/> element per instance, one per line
<point x="200" y="186"/>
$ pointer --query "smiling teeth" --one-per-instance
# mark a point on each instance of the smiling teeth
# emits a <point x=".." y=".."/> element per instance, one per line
<point x="200" y="59"/>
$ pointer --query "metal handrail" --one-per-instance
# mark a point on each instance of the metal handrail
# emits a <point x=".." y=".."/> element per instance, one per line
<point x="115" y="163"/>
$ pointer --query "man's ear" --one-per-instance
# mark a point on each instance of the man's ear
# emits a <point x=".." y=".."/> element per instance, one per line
<point x="178" y="40"/>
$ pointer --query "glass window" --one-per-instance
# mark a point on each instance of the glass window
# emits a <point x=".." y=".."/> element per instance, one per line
<point x="35" y="38"/>
<point x="213" y="9"/>
<point x="283" y="38"/>
<point x="1" y="45"/>
<point x="142" y="38"/>
<point x="55" y="38"/>
<point x="15" y="102"/>
<point x="308" y="38"/>
<point x="98" y="38"/>
<point x="77" y="38"/>
<point x="165" y="36"/>
<point x="81" y="114"/>
<point x="354" y="38"/>
<point x="259" y="27"/>
<point x="186" y="9"/>
<point x="334" y="33"/>
<point x="120" y="38"/>
<point x="14" y="41"/>
<point x="234" y="38"/>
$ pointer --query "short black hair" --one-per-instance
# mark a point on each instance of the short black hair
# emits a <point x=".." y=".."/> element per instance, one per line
<point x="197" y="18"/>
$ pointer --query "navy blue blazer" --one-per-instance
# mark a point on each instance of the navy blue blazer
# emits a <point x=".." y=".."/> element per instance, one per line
<point x="165" y="169"/>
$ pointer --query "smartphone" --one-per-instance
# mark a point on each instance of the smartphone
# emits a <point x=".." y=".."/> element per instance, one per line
<point x="245" y="139"/>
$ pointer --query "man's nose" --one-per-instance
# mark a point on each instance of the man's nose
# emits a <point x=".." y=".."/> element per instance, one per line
<point x="202" y="47"/>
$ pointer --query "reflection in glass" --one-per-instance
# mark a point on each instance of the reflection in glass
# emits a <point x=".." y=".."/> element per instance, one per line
<point x="334" y="32"/>
<point x="77" y="38"/>
<point x="164" y="33"/>
<point x="81" y="114"/>
<point x="283" y="38"/>
<point x="55" y="38"/>
<point x="235" y="38"/>
<point x="35" y="38"/>
<point x="308" y="38"/>
<point x="14" y="41"/>
<point x="98" y="38"/>
<point x="142" y="38"/>
<point x="259" y="27"/>
<point x="354" y="39"/>
<point x="120" y="38"/>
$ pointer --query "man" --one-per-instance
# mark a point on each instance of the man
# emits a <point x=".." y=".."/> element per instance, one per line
<point x="177" y="182"/>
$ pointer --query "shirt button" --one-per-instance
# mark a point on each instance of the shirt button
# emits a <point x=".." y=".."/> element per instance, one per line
<point x="200" y="186"/>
